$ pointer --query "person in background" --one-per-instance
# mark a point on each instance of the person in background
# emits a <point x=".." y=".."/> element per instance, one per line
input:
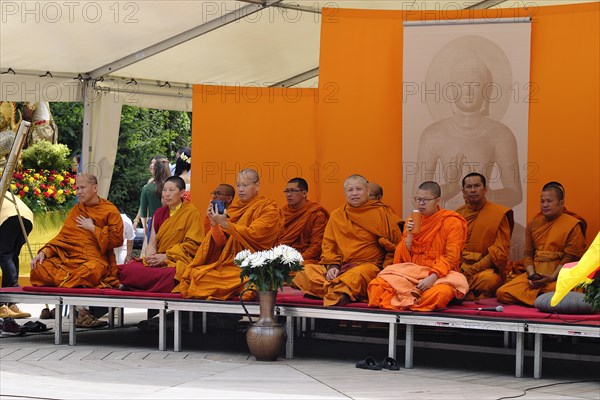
<point x="10" y="248"/>
<point x="183" y="165"/>
<point x="123" y="253"/>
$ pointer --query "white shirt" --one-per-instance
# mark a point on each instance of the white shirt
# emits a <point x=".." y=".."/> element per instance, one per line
<point x="128" y="234"/>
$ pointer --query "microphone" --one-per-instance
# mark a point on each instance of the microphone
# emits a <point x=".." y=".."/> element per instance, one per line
<point x="497" y="309"/>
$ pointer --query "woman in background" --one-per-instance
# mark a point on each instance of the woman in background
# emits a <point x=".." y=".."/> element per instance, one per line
<point x="183" y="165"/>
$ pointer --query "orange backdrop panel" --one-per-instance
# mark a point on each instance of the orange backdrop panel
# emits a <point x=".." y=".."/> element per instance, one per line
<point x="564" y="124"/>
<point x="360" y="116"/>
<point x="269" y="129"/>
<point x="354" y="124"/>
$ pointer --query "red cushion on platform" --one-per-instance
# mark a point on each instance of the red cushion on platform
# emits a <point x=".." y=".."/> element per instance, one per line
<point x="126" y="293"/>
<point x="63" y="290"/>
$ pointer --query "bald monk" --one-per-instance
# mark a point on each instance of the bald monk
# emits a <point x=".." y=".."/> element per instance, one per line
<point x="82" y="255"/>
<point x="552" y="239"/>
<point x="568" y="212"/>
<point x="252" y="222"/>
<point x="375" y="191"/>
<point x="174" y="240"/>
<point x="489" y="228"/>
<point x="305" y="221"/>
<point x="359" y="240"/>
<point x="224" y="193"/>
<point x="424" y="275"/>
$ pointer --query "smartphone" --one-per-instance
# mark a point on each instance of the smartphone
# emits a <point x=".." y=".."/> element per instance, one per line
<point x="220" y="205"/>
<point x="534" y="277"/>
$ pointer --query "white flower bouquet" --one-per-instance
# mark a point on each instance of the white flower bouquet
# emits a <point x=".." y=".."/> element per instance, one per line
<point x="269" y="269"/>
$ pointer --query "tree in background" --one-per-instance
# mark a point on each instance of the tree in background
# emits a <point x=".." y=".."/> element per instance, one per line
<point x="143" y="134"/>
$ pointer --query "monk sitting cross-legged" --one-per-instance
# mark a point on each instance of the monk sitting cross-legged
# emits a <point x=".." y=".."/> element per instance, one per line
<point x="425" y="274"/>
<point x="489" y="227"/>
<point x="359" y="240"/>
<point x="552" y="239"/>
<point x="82" y="255"/>
<point x="174" y="239"/>
<point x="305" y="221"/>
<point x="252" y="222"/>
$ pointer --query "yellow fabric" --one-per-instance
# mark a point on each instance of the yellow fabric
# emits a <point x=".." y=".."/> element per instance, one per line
<point x="212" y="275"/>
<point x="172" y="212"/>
<point x="179" y="237"/>
<point x="360" y="241"/>
<point x="77" y="257"/>
<point x="582" y="272"/>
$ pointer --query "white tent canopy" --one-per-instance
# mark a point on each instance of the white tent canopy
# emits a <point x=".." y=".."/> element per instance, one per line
<point x="149" y="53"/>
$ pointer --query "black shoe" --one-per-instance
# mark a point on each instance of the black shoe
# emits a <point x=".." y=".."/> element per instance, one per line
<point x="10" y="327"/>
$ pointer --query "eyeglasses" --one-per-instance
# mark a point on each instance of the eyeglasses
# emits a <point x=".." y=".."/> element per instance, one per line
<point x="286" y="191"/>
<point x="424" y="200"/>
<point x="216" y="193"/>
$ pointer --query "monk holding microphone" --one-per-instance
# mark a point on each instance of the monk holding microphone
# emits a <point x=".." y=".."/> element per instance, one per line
<point x="424" y="276"/>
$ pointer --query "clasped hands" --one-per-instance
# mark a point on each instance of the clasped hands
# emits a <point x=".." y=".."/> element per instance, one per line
<point x="543" y="281"/>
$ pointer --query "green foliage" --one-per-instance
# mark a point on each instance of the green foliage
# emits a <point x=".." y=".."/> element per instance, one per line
<point x="69" y="119"/>
<point x="144" y="133"/>
<point x="592" y="294"/>
<point x="46" y="156"/>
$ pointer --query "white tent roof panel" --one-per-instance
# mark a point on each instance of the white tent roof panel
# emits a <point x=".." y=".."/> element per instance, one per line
<point x="275" y="44"/>
<point x="261" y="49"/>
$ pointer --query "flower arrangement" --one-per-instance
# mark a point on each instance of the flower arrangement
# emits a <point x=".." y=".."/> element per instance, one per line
<point x="270" y="269"/>
<point x="44" y="190"/>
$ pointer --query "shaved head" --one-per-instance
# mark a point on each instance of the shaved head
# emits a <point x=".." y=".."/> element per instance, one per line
<point x="431" y="187"/>
<point x="375" y="191"/>
<point x="556" y="187"/>
<point x="358" y="178"/>
<point x="226" y="189"/>
<point x="250" y="174"/>
<point x="88" y="177"/>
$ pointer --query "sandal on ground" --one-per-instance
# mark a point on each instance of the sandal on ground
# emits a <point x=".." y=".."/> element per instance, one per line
<point x="368" y="363"/>
<point x="89" y="321"/>
<point x="390" y="363"/>
<point x="36" y="326"/>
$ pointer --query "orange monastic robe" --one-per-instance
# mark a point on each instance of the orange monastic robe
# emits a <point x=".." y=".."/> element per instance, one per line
<point x="212" y="275"/>
<point x="360" y="240"/>
<point x="548" y="244"/>
<point x="437" y="248"/>
<point x="483" y="261"/>
<point x="178" y="237"/>
<point x="303" y="230"/>
<point x="77" y="257"/>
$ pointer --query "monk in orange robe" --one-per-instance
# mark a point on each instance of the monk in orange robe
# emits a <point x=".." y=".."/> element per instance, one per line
<point x="359" y="240"/>
<point x="81" y="255"/>
<point x="489" y="228"/>
<point x="552" y="239"/>
<point x="305" y="221"/>
<point x="174" y="239"/>
<point x="252" y="222"/>
<point x="224" y="193"/>
<point x="424" y="275"/>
